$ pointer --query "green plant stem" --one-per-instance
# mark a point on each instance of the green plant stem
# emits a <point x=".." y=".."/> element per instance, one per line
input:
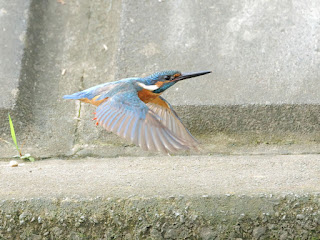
<point x="13" y="135"/>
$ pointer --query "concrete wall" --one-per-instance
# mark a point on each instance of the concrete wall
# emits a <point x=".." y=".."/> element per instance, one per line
<point x="264" y="56"/>
<point x="260" y="52"/>
<point x="13" y="25"/>
<point x="261" y="97"/>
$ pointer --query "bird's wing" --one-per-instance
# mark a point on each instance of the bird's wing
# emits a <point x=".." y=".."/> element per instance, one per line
<point x="170" y="119"/>
<point x="127" y="116"/>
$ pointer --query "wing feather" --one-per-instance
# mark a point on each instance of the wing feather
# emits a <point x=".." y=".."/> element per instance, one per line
<point x="101" y="116"/>
<point x="142" y="137"/>
<point x="149" y="138"/>
<point x="158" y="142"/>
<point x="170" y="119"/>
<point x="149" y="126"/>
<point x="128" y="128"/>
<point x="116" y="123"/>
<point x="135" y="131"/>
<point x="106" y="120"/>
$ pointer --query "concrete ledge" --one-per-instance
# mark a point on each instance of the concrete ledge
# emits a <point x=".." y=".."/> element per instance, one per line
<point x="206" y="217"/>
<point x="251" y="129"/>
<point x="206" y="197"/>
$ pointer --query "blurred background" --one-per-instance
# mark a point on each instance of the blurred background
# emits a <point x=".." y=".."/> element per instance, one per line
<point x="262" y="94"/>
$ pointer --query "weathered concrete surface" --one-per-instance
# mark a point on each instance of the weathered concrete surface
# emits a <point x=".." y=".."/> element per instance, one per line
<point x="264" y="57"/>
<point x="260" y="52"/>
<point x="262" y="97"/>
<point x="212" y="217"/>
<point x="13" y="28"/>
<point x="163" y="176"/>
<point x="248" y="197"/>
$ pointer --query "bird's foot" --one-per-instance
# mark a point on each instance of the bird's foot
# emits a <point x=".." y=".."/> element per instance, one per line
<point x="95" y="118"/>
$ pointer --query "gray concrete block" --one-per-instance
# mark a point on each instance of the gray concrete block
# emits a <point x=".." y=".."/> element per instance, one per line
<point x="248" y="197"/>
<point x="260" y="52"/>
<point x="264" y="57"/>
<point x="13" y="28"/>
<point x="162" y="176"/>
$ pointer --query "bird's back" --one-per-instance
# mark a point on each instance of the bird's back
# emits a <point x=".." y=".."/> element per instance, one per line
<point x="97" y="94"/>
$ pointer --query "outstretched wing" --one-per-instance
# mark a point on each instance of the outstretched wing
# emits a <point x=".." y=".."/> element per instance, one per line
<point x="170" y="119"/>
<point x="127" y="116"/>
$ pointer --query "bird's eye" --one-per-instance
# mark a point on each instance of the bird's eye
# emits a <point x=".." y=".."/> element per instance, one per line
<point x="167" y="77"/>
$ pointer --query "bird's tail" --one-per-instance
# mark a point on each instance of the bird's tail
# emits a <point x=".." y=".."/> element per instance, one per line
<point x="88" y="93"/>
<point x="77" y="95"/>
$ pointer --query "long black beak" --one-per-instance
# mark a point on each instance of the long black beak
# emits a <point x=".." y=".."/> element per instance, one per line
<point x="190" y="75"/>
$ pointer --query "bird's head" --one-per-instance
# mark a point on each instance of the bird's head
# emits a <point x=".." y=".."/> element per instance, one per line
<point x="160" y="81"/>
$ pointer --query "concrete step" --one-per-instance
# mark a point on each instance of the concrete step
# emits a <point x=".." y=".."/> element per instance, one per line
<point x="207" y="197"/>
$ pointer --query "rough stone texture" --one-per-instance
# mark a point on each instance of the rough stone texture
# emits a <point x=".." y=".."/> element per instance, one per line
<point x="264" y="57"/>
<point x="214" y="217"/>
<point x="240" y="197"/>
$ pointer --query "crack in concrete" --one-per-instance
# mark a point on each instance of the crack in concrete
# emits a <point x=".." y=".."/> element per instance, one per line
<point x="82" y="87"/>
<point x="76" y="132"/>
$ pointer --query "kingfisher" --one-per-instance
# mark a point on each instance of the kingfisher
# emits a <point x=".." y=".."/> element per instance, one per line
<point x="133" y="109"/>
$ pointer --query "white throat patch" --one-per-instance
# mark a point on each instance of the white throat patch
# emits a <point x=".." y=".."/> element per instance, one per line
<point x="148" y="87"/>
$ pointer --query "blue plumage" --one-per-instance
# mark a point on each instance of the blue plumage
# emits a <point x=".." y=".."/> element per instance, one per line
<point x="155" y="77"/>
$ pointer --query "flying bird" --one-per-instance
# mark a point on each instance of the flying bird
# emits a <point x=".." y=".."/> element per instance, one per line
<point x="133" y="109"/>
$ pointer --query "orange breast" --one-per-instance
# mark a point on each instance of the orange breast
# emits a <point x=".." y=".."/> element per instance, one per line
<point x="147" y="96"/>
<point x="160" y="102"/>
